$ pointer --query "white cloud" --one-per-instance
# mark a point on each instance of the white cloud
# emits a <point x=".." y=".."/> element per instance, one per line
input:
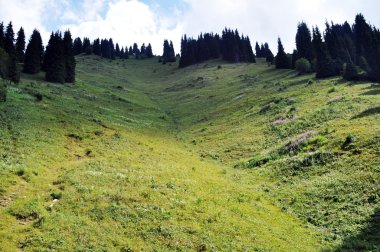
<point x="127" y="22"/>
<point x="264" y="21"/>
<point x="26" y="13"/>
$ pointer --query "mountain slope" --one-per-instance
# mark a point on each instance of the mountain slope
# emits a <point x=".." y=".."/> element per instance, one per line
<point x="140" y="155"/>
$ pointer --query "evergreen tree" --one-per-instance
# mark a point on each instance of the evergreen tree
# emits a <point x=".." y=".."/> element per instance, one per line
<point x="122" y="53"/>
<point x="130" y="51"/>
<point x="303" y="42"/>
<point x="258" y="51"/>
<point x="96" y="47"/>
<point x="68" y="54"/>
<point x="324" y="66"/>
<point x="269" y="57"/>
<point x="86" y="48"/>
<point x="20" y="45"/>
<point x="2" y="35"/>
<point x="117" y="51"/>
<point x="78" y="46"/>
<point x="295" y="57"/>
<point x="351" y="72"/>
<point x="13" y="71"/>
<point x="169" y="54"/>
<point x="282" y="60"/>
<point x="149" y="52"/>
<point x="9" y="40"/>
<point x="54" y="60"/>
<point x="34" y="54"/>
<point x="143" y="50"/>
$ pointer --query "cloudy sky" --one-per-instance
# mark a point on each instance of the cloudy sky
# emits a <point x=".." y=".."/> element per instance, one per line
<point x="143" y="21"/>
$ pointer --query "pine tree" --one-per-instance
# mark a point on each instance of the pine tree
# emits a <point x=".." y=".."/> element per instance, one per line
<point x="2" y="35"/>
<point x="258" y="51"/>
<point x="117" y="51"/>
<point x="68" y="54"/>
<point x="269" y="57"/>
<point x="20" y="45"/>
<point x="13" y="71"/>
<point x="34" y="54"/>
<point x="78" y="46"/>
<point x="282" y="60"/>
<point x="96" y="47"/>
<point x="324" y="66"/>
<point x="9" y="40"/>
<point x="351" y="72"/>
<point x="303" y="42"/>
<point x="54" y="60"/>
<point x="86" y="48"/>
<point x="149" y="52"/>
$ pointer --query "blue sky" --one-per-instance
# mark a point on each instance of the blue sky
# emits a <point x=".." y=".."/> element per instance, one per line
<point x="152" y="21"/>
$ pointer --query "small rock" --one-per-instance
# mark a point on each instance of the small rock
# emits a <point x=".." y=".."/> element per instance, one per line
<point x="22" y="223"/>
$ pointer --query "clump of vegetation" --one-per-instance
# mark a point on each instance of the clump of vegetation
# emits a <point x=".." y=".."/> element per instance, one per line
<point x="303" y="66"/>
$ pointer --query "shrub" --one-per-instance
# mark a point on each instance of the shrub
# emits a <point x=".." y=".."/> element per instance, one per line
<point x="3" y="91"/>
<point x="351" y="72"/>
<point x="303" y="66"/>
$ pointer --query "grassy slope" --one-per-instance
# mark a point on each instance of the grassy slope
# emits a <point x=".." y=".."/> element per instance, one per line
<point x="143" y="156"/>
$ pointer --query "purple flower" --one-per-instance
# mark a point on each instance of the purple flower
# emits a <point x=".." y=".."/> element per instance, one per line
<point x="282" y="121"/>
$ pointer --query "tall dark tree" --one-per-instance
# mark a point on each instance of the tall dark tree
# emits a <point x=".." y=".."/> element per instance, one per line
<point x="149" y="51"/>
<point x="96" y="48"/>
<point x="54" y="60"/>
<point x="282" y="60"/>
<point x="324" y="67"/>
<point x="86" y="48"/>
<point x="111" y="48"/>
<point x="269" y="57"/>
<point x="169" y="54"/>
<point x="2" y="35"/>
<point x="20" y="45"/>
<point x="117" y="51"/>
<point x="9" y="40"/>
<point x="34" y="54"/>
<point x="258" y="51"/>
<point x="303" y="42"/>
<point x="68" y="54"/>
<point x="78" y="46"/>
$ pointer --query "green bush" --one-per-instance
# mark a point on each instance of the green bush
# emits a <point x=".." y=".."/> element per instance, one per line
<point x="351" y="72"/>
<point x="303" y="66"/>
<point x="3" y="91"/>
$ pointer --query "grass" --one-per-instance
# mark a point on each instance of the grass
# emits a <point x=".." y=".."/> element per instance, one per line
<point x="142" y="156"/>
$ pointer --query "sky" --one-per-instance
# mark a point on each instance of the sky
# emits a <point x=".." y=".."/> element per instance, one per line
<point x="152" y="21"/>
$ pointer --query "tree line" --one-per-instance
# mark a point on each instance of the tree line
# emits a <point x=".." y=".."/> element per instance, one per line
<point x="107" y="49"/>
<point x="342" y="49"/>
<point x="230" y="46"/>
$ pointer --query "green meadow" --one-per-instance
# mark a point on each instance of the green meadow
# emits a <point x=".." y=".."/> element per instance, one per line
<point x="140" y="156"/>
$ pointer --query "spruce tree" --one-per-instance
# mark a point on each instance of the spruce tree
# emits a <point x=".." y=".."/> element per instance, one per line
<point x="9" y="40"/>
<point x="258" y="51"/>
<point x="20" y="45"/>
<point x="68" y="54"/>
<point x="269" y="57"/>
<point x="2" y="35"/>
<point x="303" y="42"/>
<point x="96" y="47"/>
<point x="324" y="66"/>
<point x="34" y="54"/>
<point x="282" y="60"/>
<point x="78" y="46"/>
<point x="149" y="52"/>
<point x="117" y="51"/>
<point x="54" y="60"/>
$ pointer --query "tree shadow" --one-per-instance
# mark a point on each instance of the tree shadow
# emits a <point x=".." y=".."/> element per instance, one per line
<point x="367" y="240"/>
<point x="368" y="112"/>
<point x="372" y="92"/>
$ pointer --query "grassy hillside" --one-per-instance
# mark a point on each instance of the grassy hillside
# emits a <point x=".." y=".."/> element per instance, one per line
<point x="142" y="156"/>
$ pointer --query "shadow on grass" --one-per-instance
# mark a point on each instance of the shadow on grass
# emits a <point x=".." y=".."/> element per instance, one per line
<point x="368" y="112"/>
<point x="367" y="240"/>
<point x="372" y="92"/>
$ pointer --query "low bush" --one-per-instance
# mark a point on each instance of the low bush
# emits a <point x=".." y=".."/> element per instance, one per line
<point x="303" y="66"/>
